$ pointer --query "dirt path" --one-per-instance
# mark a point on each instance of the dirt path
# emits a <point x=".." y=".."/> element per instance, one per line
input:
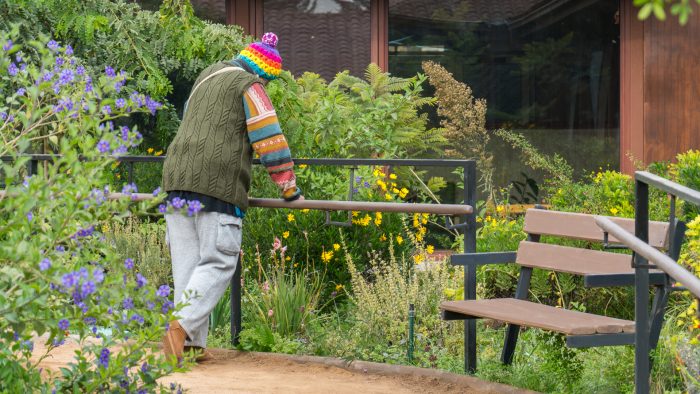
<point x="241" y="372"/>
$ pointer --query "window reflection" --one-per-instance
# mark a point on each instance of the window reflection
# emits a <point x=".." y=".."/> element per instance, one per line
<point x="211" y="10"/>
<point x="323" y="36"/>
<point x="548" y="69"/>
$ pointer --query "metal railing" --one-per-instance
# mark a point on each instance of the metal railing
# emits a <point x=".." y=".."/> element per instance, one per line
<point x="643" y="254"/>
<point x="465" y="210"/>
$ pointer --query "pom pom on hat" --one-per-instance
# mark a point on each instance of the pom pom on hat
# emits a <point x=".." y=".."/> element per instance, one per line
<point x="262" y="57"/>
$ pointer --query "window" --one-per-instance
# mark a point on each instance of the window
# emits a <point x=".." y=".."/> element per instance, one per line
<point x="323" y="36"/>
<point x="548" y="69"/>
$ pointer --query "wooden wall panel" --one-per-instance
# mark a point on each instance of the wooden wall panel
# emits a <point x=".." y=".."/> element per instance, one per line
<point x="671" y="88"/>
<point x="631" y="87"/>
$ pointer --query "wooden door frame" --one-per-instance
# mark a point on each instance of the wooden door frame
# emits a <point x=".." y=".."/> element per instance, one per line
<point x="631" y="88"/>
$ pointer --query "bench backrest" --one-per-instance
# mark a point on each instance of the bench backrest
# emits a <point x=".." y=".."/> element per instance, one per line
<point x="582" y="226"/>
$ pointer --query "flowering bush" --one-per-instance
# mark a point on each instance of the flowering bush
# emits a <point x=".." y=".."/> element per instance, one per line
<point x="60" y="280"/>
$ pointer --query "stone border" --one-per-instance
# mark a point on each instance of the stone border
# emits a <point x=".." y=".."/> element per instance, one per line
<point x="367" y="367"/>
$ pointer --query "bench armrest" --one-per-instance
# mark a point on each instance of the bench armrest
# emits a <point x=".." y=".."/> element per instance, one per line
<point x="476" y="259"/>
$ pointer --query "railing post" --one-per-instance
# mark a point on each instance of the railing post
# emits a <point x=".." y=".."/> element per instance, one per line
<point x="641" y="289"/>
<point x="236" y="302"/>
<point x="470" y="269"/>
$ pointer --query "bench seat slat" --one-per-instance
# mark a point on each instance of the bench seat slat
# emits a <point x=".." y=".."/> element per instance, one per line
<point x="572" y="260"/>
<point x="531" y="314"/>
<point x="583" y="226"/>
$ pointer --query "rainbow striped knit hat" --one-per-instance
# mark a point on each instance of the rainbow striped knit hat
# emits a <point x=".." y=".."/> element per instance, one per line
<point x="262" y="57"/>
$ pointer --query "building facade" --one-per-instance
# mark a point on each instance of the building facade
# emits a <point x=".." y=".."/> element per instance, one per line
<point x="581" y="78"/>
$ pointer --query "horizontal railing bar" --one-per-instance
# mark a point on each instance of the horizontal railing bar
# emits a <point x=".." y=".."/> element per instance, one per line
<point x="323" y="205"/>
<point x="662" y="261"/>
<point x="324" y="161"/>
<point x="683" y="192"/>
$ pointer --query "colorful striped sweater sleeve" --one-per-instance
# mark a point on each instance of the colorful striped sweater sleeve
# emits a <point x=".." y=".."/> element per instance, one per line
<point x="267" y="140"/>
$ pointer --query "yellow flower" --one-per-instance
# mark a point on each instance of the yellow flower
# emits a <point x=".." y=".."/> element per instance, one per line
<point x="119" y="176"/>
<point x="382" y="238"/>
<point x="290" y="217"/>
<point x="388" y="196"/>
<point x="149" y="150"/>
<point x="499" y="208"/>
<point x="336" y="247"/>
<point x="285" y="234"/>
<point x="338" y="287"/>
<point x="395" y="191"/>
<point x="302" y="166"/>
<point x="377" y="218"/>
<point x="403" y="192"/>
<point x="613" y="210"/>
<point x="105" y="228"/>
<point x="419" y="237"/>
<point x="418" y="258"/>
<point x="399" y="239"/>
<point x="287" y="258"/>
<point x="327" y="256"/>
<point x="355" y="213"/>
<point x="430" y="249"/>
<point x="392" y="176"/>
<point x="160" y="152"/>
<point x="479" y="219"/>
<point x="305" y="210"/>
<point x="296" y="265"/>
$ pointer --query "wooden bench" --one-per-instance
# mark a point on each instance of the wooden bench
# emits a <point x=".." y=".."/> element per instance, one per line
<point x="598" y="269"/>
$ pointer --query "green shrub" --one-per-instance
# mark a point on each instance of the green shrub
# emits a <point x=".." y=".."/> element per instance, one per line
<point x="60" y="278"/>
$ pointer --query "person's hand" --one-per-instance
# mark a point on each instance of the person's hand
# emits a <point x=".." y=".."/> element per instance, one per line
<point x="301" y="198"/>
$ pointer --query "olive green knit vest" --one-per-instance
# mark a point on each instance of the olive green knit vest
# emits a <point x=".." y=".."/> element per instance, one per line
<point x="211" y="153"/>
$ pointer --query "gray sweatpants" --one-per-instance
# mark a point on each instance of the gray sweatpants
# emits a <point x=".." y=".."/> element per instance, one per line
<point x="204" y="250"/>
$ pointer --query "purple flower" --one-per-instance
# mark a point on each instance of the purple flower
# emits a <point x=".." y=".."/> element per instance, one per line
<point x="162" y="208"/>
<point x="59" y="61"/>
<point x="167" y="306"/>
<point x="103" y="146"/>
<point x="178" y="203"/>
<point x="128" y="303"/>
<point x="358" y="179"/>
<point x="137" y="318"/>
<point x="47" y="76"/>
<point x="28" y="345"/>
<point x="152" y="105"/>
<point x="57" y="343"/>
<point x="163" y="291"/>
<point x="120" y="103"/>
<point x="30" y="216"/>
<point x="90" y="321"/>
<point x="69" y="279"/>
<point x="66" y="77"/>
<point x="88" y="288"/>
<point x="12" y="69"/>
<point x="107" y="109"/>
<point x="21" y="91"/>
<point x="7" y="46"/>
<point x="156" y="191"/>
<point x="98" y="274"/>
<point x="104" y="358"/>
<point x="44" y="264"/>
<point x="80" y="70"/>
<point x="63" y="324"/>
<point x="140" y="281"/>
<point x="121" y="149"/>
<point x="129" y="264"/>
<point x="3" y="115"/>
<point x="193" y="207"/>
<point x="129" y="188"/>
<point x="150" y="305"/>
<point x="109" y="71"/>
<point x="53" y="45"/>
<point x="85" y="232"/>
<point x="88" y="87"/>
<point x="69" y="50"/>
<point x="366" y="184"/>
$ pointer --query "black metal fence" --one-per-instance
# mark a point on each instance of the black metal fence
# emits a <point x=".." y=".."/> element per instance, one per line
<point x="466" y="211"/>
<point x="643" y="254"/>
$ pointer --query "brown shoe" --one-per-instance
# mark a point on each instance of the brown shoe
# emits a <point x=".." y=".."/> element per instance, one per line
<point x="201" y="354"/>
<point x="174" y="340"/>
